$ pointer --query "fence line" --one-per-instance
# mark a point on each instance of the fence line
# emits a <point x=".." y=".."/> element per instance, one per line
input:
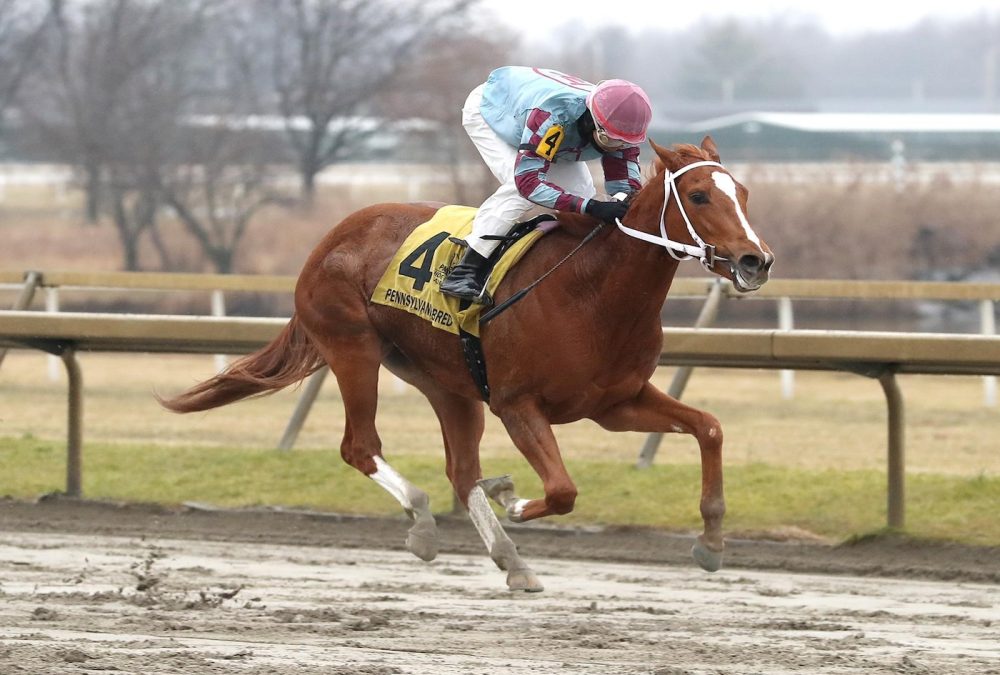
<point x="879" y="355"/>
<point x="783" y="291"/>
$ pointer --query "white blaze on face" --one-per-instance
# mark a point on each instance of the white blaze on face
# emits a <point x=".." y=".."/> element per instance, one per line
<point x="727" y="185"/>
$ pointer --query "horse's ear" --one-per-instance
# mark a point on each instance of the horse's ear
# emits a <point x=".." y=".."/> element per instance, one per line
<point x="665" y="158"/>
<point x="708" y="145"/>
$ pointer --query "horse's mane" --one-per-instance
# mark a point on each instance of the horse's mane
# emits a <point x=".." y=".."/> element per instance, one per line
<point x="689" y="152"/>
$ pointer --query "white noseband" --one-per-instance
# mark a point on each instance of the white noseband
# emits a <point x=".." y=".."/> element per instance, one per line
<point x="705" y="253"/>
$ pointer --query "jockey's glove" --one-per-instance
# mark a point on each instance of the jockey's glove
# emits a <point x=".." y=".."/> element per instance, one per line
<point x="606" y="211"/>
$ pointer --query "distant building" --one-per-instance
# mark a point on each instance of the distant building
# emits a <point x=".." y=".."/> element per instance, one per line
<point x="743" y="136"/>
<point x="817" y="137"/>
<point x="369" y="138"/>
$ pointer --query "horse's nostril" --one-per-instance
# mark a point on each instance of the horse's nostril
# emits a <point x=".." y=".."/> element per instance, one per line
<point x="750" y="263"/>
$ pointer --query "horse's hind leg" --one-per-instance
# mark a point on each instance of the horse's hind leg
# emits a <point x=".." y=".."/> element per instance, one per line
<point x="422" y="539"/>
<point x="356" y="361"/>
<point x="532" y="434"/>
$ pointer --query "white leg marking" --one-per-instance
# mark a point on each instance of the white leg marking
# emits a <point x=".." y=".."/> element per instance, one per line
<point x="393" y="483"/>
<point x="517" y="508"/>
<point x="482" y="517"/>
<point x="727" y="185"/>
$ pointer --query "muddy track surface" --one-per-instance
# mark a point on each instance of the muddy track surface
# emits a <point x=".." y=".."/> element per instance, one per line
<point x="88" y="587"/>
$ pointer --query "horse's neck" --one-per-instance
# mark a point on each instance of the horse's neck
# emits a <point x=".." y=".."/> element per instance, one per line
<point x="628" y="278"/>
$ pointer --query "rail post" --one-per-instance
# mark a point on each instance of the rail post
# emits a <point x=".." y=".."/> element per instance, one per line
<point x="988" y="326"/>
<point x="74" y="423"/>
<point x="786" y="321"/>
<point x="219" y="309"/>
<point x="302" y="408"/>
<point x="52" y="306"/>
<point x="896" y="497"/>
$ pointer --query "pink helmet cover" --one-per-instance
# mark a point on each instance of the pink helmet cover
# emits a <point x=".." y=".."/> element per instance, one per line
<point x="622" y="108"/>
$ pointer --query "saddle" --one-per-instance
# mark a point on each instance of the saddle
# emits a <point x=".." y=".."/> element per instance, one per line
<point x="507" y="241"/>
<point x="412" y="280"/>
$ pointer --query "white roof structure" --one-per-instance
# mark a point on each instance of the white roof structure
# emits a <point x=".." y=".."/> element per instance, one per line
<point x="300" y="123"/>
<point x="860" y="122"/>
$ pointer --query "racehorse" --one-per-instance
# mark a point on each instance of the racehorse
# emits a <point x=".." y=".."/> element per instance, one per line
<point x="583" y="344"/>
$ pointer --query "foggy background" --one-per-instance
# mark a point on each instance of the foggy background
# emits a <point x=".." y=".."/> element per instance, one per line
<point x="229" y="135"/>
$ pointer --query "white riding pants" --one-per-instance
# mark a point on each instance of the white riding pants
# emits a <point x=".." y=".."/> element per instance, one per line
<point x="502" y="210"/>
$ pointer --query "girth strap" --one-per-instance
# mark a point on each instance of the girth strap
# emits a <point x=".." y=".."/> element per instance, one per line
<point x="476" y="362"/>
<point x="472" y="346"/>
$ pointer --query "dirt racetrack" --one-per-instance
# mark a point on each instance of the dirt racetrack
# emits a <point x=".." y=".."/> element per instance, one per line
<point x="88" y="588"/>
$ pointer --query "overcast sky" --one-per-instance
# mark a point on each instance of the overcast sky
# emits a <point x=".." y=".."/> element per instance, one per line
<point x="841" y="17"/>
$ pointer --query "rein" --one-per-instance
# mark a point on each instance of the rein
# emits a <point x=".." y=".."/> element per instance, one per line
<point x="503" y="306"/>
<point x="705" y="253"/>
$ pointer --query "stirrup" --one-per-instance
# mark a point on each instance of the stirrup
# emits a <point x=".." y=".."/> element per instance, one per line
<point x="482" y="298"/>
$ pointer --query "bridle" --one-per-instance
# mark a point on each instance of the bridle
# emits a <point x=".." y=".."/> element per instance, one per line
<point x="705" y="253"/>
<point x="677" y="250"/>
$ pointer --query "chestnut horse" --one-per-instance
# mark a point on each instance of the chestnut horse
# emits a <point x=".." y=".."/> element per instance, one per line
<point x="582" y="344"/>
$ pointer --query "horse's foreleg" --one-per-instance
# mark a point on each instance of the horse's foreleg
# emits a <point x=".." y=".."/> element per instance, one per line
<point x="462" y="428"/>
<point x="653" y="411"/>
<point x="502" y="550"/>
<point x="533" y="436"/>
<point x="356" y="363"/>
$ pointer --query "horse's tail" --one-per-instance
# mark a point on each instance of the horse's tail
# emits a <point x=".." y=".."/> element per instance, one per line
<point x="289" y="358"/>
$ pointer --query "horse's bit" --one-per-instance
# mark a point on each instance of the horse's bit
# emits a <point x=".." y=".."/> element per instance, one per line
<point x="705" y="253"/>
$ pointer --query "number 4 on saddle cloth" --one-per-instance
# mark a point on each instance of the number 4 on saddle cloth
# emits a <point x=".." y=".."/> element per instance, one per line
<point x="412" y="281"/>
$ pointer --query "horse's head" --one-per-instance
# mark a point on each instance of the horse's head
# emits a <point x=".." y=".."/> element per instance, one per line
<point x="702" y="214"/>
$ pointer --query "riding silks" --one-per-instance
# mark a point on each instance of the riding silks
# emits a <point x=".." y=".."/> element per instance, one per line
<point x="412" y="282"/>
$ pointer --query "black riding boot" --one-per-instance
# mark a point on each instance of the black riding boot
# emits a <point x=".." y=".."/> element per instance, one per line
<point x="467" y="279"/>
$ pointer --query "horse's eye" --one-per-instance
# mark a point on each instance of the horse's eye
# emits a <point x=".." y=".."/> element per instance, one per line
<point x="698" y="198"/>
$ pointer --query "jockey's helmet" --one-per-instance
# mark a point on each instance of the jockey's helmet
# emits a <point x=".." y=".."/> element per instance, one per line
<point x="621" y="110"/>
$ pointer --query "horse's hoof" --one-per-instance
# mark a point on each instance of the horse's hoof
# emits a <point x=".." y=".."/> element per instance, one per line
<point x="494" y="487"/>
<point x="709" y="560"/>
<point x="425" y="548"/>
<point x="524" y="580"/>
<point x="422" y="541"/>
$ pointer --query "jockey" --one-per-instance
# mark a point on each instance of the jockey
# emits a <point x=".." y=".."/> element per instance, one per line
<point x="536" y="129"/>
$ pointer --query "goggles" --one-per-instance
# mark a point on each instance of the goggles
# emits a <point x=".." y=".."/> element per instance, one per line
<point x="604" y="139"/>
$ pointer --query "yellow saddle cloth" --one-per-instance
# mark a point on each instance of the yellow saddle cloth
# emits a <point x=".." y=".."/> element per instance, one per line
<point x="412" y="282"/>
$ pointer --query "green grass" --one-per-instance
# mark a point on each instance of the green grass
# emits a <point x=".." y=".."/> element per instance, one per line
<point x="761" y="497"/>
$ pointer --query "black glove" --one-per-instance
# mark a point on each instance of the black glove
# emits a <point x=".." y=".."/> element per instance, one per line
<point x="606" y="211"/>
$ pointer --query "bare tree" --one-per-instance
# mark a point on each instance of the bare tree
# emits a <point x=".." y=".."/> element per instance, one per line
<point x="22" y="30"/>
<point x="154" y="113"/>
<point x="331" y="57"/>
<point x="434" y="87"/>
<point x="220" y="187"/>
<point x="148" y="133"/>
<point x="222" y="172"/>
<point x="104" y="47"/>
